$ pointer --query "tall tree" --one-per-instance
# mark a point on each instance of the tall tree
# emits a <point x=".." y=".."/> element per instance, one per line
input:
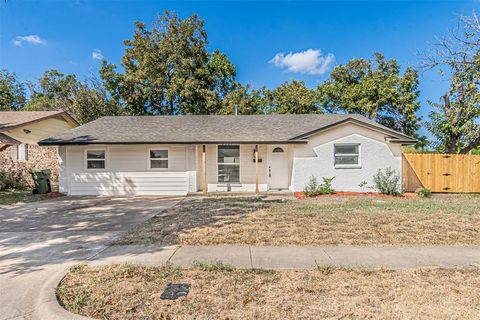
<point x="168" y="70"/>
<point x="12" y="92"/>
<point x="377" y="89"/>
<point x="293" y="97"/>
<point x="456" y="121"/>
<point x="86" y="100"/>
<point x="245" y="99"/>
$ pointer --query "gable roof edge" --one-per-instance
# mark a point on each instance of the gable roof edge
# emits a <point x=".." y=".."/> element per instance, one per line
<point x="395" y="134"/>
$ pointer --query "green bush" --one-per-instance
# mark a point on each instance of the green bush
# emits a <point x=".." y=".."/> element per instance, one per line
<point x="387" y="181"/>
<point x="313" y="188"/>
<point x="11" y="180"/>
<point x="424" y="192"/>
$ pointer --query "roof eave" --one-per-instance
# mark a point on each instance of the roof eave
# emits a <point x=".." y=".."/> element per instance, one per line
<point x="84" y="143"/>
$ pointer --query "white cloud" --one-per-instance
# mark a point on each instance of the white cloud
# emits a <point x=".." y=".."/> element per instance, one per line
<point x="97" y="54"/>
<point x="32" y="38"/>
<point x="309" y="61"/>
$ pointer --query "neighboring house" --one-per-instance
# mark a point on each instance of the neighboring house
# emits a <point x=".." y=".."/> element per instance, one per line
<point x="170" y="155"/>
<point x="20" y="132"/>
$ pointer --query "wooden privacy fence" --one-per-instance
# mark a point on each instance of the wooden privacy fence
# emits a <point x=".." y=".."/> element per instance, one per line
<point x="441" y="172"/>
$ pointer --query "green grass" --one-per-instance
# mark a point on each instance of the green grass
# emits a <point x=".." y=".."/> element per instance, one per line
<point x="212" y="266"/>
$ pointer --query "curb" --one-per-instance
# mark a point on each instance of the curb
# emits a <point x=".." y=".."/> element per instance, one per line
<point x="48" y="306"/>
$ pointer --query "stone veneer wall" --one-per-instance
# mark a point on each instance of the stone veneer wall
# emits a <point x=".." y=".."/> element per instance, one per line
<point x="38" y="158"/>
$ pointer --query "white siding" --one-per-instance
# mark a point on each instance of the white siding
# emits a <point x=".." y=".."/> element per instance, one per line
<point x="317" y="158"/>
<point x="127" y="171"/>
<point x="129" y="183"/>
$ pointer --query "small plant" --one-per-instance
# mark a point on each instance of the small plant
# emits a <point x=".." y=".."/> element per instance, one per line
<point x="387" y="181"/>
<point x="326" y="186"/>
<point x="424" y="192"/>
<point x="212" y="266"/>
<point x="313" y="188"/>
<point x="11" y="180"/>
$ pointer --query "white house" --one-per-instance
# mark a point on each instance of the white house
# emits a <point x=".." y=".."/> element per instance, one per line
<point x="176" y="155"/>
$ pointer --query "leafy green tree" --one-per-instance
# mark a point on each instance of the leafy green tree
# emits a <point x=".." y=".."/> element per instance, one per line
<point x="376" y="89"/>
<point x="292" y="97"/>
<point x="168" y="70"/>
<point x="86" y="100"/>
<point x="455" y="122"/>
<point x="12" y="92"/>
<point x="246" y="99"/>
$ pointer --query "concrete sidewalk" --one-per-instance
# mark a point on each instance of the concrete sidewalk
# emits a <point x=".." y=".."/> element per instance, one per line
<point x="295" y="257"/>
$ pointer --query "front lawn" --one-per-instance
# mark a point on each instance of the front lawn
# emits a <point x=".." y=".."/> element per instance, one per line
<point x="19" y="196"/>
<point x="133" y="292"/>
<point x="363" y="220"/>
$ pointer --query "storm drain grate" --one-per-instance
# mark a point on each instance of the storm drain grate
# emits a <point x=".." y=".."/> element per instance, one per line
<point x="174" y="291"/>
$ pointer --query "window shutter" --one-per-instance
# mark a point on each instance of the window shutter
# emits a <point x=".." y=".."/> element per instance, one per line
<point x="14" y="152"/>
<point x="26" y="152"/>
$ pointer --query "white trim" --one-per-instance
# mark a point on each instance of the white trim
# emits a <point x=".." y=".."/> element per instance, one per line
<point x="228" y="163"/>
<point x="348" y="166"/>
<point x="149" y="160"/>
<point x="85" y="160"/>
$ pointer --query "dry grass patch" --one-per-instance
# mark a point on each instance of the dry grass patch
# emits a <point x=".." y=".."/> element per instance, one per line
<point x="133" y="292"/>
<point x="441" y="220"/>
<point x="190" y="214"/>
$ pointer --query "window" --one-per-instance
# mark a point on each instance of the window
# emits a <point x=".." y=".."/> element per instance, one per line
<point x="95" y="159"/>
<point x="277" y="150"/>
<point x="22" y="152"/>
<point x="158" y="159"/>
<point x="347" y="155"/>
<point x="228" y="163"/>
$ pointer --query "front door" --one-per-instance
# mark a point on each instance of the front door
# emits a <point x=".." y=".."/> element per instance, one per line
<point x="278" y="167"/>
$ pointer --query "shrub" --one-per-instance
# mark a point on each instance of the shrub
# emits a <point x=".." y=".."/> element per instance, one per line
<point x="387" y="181"/>
<point x="424" y="192"/>
<point x="11" y="180"/>
<point x="313" y="188"/>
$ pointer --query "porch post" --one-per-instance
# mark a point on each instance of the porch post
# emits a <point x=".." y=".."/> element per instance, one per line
<point x="256" y="168"/>
<point x="204" y="170"/>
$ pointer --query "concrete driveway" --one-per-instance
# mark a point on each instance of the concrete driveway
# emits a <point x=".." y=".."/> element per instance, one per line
<point x="39" y="239"/>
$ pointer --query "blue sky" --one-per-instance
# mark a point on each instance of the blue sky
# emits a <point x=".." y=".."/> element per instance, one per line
<point x="69" y="35"/>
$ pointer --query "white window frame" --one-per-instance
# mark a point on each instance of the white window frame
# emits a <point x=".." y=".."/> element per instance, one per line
<point x="86" y="159"/>
<point x="230" y="163"/>
<point x="22" y="152"/>
<point x="149" y="160"/>
<point x="348" y="166"/>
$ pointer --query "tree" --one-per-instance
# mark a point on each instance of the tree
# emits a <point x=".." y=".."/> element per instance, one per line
<point x="12" y="92"/>
<point x="86" y="100"/>
<point x="375" y="89"/>
<point x="246" y="99"/>
<point x="455" y="122"/>
<point x="168" y="70"/>
<point x="294" y="97"/>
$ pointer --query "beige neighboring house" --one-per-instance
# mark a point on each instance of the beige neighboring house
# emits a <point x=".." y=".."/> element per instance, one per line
<point x="20" y="132"/>
<point x="177" y="155"/>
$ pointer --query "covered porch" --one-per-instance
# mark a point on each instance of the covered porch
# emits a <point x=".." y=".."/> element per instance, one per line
<point x="243" y="167"/>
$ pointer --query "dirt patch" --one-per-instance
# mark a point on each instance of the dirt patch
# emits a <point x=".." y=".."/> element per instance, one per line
<point x="133" y="292"/>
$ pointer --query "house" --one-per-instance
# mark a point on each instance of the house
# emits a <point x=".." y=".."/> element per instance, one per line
<point x="170" y="155"/>
<point x="20" y="132"/>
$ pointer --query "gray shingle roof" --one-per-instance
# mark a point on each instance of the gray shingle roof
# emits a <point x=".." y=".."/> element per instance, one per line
<point x="207" y="129"/>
